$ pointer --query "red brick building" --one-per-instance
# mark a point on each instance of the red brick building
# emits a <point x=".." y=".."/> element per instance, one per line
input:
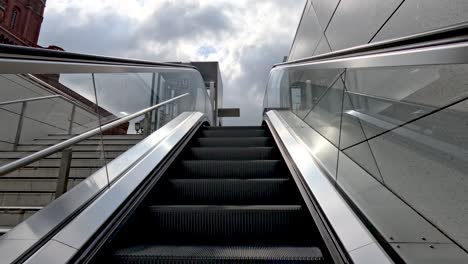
<point x="20" y="21"/>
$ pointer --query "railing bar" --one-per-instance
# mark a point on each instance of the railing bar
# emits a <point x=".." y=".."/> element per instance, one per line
<point x="69" y="142"/>
<point x="19" y="128"/>
<point x="29" y="99"/>
<point x="43" y="83"/>
<point x="72" y="117"/>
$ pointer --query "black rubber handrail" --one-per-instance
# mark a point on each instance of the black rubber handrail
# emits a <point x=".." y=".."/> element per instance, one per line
<point x="446" y="35"/>
<point x="29" y="53"/>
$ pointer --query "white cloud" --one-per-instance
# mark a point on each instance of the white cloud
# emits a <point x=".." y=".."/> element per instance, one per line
<point x="246" y="37"/>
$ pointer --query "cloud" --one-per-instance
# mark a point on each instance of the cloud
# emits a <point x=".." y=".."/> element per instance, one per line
<point x="246" y="37"/>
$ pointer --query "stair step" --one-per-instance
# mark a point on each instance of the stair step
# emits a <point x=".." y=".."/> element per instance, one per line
<point x="171" y="254"/>
<point x="39" y="173"/>
<point x="226" y="224"/>
<point x="234" y="133"/>
<point x="26" y="199"/>
<point x="96" y="141"/>
<point x="225" y="191"/>
<point x="32" y="185"/>
<point x="55" y="163"/>
<point x="79" y="147"/>
<point x="13" y="215"/>
<point x="241" y="169"/>
<point x="233" y="153"/>
<point x="234" y="128"/>
<point x="234" y="142"/>
<point x="4" y="229"/>
<point x="56" y="136"/>
<point x="77" y="154"/>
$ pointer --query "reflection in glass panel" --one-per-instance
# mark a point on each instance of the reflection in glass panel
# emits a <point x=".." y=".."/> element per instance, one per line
<point x="321" y="148"/>
<point x="362" y="155"/>
<point x="394" y="219"/>
<point x="63" y="105"/>
<point x="426" y="163"/>
<point x="10" y="114"/>
<point x="390" y="96"/>
<point x="351" y="127"/>
<point x="277" y="95"/>
<point x="325" y="116"/>
<point x="307" y="86"/>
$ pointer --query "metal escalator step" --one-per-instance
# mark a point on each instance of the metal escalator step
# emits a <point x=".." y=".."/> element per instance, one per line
<point x="234" y="133"/>
<point x="227" y="224"/>
<point x="241" y="169"/>
<point x="234" y="142"/>
<point x="233" y="153"/>
<point x="233" y="128"/>
<point x="165" y="254"/>
<point x="226" y="191"/>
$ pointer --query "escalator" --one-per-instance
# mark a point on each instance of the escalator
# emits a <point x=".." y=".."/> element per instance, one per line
<point x="227" y="198"/>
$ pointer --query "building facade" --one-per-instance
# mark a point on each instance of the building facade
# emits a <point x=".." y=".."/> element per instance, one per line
<point x="20" y="21"/>
<point x="331" y="25"/>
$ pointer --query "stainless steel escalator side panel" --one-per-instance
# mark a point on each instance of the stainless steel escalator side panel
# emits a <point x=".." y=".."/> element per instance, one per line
<point x="39" y="225"/>
<point x="77" y="233"/>
<point x="352" y="233"/>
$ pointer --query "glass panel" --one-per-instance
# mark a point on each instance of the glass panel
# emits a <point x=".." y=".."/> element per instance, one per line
<point x="145" y="89"/>
<point x="9" y="114"/>
<point x="351" y="127"/>
<point x="46" y="122"/>
<point x="425" y="163"/>
<point x="387" y="97"/>
<point x="325" y="153"/>
<point x="394" y="219"/>
<point x="325" y="117"/>
<point x="362" y="155"/>
<point x="307" y="87"/>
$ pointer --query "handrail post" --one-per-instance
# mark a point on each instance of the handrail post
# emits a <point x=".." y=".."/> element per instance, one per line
<point x="19" y="163"/>
<point x="64" y="172"/>
<point x="72" y="117"/>
<point x="146" y="125"/>
<point x="20" y="126"/>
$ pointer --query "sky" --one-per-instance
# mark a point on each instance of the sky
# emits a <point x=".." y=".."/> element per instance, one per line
<point x="246" y="36"/>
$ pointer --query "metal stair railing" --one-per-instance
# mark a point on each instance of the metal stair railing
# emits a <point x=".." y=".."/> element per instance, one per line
<point x="64" y="146"/>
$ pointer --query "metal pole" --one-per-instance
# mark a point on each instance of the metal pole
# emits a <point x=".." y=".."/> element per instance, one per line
<point x="72" y="117"/>
<point x="151" y="114"/>
<point x="158" y="96"/>
<point x="64" y="172"/>
<point x="20" y="126"/>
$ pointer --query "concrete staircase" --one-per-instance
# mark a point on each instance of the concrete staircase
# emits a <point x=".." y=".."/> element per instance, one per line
<point x="27" y="190"/>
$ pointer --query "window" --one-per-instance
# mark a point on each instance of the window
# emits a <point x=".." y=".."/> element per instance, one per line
<point x="14" y="19"/>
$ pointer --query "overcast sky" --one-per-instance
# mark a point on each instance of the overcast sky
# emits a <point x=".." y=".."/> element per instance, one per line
<point x="246" y="36"/>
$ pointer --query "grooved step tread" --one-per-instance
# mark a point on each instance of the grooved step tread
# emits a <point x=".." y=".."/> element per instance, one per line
<point x="226" y="191"/>
<point x="217" y="254"/>
<point x="229" y="169"/>
<point x="227" y="224"/>
<point x="233" y="127"/>
<point x="234" y="133"/>
<point x="232" y="153"/>
<point x="234" y="142"/>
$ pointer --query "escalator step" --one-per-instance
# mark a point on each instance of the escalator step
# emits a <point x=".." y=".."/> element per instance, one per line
<point x="233" y="153"/>
<point x="234" y="142"/>
<point x="234" y="128"/>
<point x="226" y="192"/>
<point x="241" y="169"/>
<point x="234" y="133"/>
<point x="227" y="224"/>
<point x="167" y="254"/>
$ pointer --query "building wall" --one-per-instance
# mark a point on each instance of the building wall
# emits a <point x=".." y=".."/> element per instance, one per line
<point x="20" y="21"/>
<point x="330" y="25"/>
<point x="396" y="136"/>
